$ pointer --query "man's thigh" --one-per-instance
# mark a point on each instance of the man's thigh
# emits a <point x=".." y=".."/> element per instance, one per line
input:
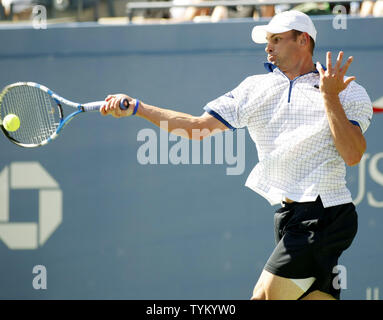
<point x="273" y="287"/>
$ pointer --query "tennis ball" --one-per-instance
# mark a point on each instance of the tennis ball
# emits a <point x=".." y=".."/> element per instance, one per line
<point x="11" y="122"/>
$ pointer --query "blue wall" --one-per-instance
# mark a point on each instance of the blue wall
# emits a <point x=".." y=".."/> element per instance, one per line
<point x="163" y="231"/>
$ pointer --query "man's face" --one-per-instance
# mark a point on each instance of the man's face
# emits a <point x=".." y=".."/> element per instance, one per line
<point x="282" y="49"/>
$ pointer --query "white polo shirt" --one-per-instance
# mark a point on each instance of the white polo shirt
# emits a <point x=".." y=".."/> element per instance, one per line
<point x="288" y="123"/>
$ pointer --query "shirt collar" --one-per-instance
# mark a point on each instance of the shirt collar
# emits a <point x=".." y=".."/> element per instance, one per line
<point x="270" y="67"/>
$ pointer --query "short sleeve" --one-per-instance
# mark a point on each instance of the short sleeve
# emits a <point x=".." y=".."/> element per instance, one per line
<point x="357" y="106"/>
<point x="230" y="107"/>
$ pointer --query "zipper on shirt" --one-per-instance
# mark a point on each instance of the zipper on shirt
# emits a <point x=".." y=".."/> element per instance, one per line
<point x="290" y="89"/>
<point x="292" y="82"/>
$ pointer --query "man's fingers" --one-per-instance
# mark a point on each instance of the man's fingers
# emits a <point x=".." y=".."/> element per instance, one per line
<point x="109" y="106"/>
<point x="328" y="62"/>
<point x="338" y="62"/>
<point x="344" y="69"/>
<point x="347" y="82"/>
<point x="103" y="112"/>
<point x="113" y="105"/>
<point x="106" y="106"/>
<point x="319" y="68"/>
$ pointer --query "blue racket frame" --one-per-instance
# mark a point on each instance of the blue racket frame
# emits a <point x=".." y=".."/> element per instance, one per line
<point x="80" y="108"/>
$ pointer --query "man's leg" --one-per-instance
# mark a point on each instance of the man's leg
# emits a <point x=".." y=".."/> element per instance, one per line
<point x="318" y="295"/>
<point x="272" y="287"/>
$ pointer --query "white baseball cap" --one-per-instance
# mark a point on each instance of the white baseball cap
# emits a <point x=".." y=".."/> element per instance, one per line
<point x="283" y="22"/>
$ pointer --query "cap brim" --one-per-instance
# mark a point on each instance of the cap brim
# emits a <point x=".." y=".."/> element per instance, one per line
<point x="259" y="33"/>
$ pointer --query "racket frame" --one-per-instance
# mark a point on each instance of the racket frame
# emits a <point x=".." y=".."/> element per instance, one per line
<point x="80" y="108"/>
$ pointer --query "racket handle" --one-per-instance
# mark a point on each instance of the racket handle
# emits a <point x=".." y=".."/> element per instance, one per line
<point x="96" y="105"/>
<point x="124" y="104"/>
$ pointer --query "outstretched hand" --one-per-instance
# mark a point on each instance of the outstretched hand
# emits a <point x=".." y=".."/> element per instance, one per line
<point x="332" y="80"/>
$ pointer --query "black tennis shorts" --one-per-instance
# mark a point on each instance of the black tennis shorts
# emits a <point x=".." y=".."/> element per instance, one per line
<point x="309" y="240"/>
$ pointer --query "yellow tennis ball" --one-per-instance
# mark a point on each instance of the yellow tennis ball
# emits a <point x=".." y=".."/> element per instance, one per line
<point x="11" y="122"/>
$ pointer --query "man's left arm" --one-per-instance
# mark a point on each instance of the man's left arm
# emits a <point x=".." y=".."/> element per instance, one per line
<point x="348" y="137"/>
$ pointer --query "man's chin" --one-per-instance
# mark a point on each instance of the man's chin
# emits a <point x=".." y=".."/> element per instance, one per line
<point x="272" y="60"/>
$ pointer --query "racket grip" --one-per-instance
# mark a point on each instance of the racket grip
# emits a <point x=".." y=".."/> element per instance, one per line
<point x="124" y="104"/>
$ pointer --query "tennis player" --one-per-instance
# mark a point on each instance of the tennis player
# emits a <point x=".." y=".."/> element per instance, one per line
<point x="307" y="122"/>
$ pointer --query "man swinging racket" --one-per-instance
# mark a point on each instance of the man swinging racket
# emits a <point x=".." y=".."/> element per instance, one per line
<point x="307" y="122"/>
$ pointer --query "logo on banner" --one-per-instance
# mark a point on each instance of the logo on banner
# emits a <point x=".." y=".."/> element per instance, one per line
<point x="29" y="235"/>
<point x="378" y="105"/>
<point x="370" y="165"/>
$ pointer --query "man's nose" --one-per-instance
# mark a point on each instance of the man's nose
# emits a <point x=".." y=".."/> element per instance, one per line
<point x="268" y="48"/>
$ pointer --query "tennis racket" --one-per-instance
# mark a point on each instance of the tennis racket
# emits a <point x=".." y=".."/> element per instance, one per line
<point x="40" y="111"/>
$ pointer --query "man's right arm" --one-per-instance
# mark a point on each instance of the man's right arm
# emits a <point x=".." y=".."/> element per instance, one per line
<point x="178" y="123"/>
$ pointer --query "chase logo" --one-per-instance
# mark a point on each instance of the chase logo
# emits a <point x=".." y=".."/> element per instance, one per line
<point x="29" y="235"/>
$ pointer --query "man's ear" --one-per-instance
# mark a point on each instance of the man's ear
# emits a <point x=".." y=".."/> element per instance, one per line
<point x="304" y="39"/>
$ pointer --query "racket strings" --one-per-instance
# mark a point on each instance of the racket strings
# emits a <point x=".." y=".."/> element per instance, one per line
<point x="37" y="111"/>
<point x="43" y="117"/>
